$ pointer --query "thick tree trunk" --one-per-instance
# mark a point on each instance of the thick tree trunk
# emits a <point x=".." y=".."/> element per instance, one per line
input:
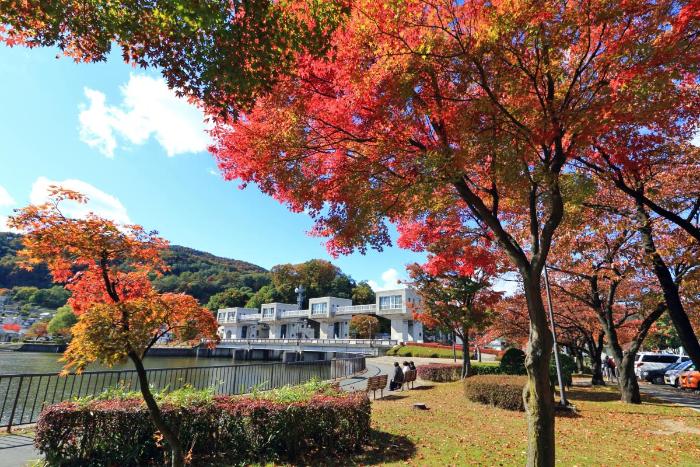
<point x="466" y="363"/>
<point x="178" y="458"/>
<point x="624" y="363"/>
<point x="629" y="388"/>
<point x="537" y="394"/>
<point x="595" y="349"/>
<point x="676" y="311"/>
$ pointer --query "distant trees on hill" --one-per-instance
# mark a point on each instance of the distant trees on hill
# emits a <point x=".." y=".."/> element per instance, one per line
<point x="214" y="281"/>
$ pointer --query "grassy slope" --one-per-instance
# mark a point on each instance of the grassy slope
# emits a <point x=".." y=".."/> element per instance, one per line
<point x="426" y="352"/>
<point x="458" y="432"/>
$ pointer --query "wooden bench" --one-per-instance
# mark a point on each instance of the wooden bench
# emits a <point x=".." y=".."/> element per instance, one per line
<point x="377" y="383"/>
<point x="409" y="379"/>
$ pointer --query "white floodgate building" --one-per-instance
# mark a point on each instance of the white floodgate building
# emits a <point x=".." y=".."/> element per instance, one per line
<point x="326" y="318"/>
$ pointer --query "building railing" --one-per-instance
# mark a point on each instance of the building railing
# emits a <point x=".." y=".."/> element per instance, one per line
<point x="392" y="311"/>
<point x="314" y="342"/>
<point x="249" y="317"/>
<point x="356" y="309"/>
<point x="22" y="396"/>
<point x="294" y="314"/>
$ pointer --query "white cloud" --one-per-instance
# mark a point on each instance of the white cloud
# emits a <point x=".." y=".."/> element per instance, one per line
<point x="148" y="108"/>
<point x="6" y="201"/>
<point x="101" y="203"/>
<point x="696" y="140"/>
<point x="5" y="198"/>
<point x="390" y="280"/>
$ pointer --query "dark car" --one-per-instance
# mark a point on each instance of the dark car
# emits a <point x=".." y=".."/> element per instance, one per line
<point x="656" y="375"/>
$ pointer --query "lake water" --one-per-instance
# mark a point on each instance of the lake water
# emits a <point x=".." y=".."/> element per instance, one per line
<point x="22" y="397"/>
<point x="37" y="362"/>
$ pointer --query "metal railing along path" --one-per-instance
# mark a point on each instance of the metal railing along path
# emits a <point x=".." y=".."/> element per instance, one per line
<point x="315" y="342"/>
<point x="22" y="396"/>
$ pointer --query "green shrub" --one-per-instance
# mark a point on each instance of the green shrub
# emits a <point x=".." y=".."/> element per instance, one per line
<point x="215" y="430"/>
<point x="439" y="372"/>
<point x="503" y="391"/>
<point x="443" y="372"/>
<point x="568" y="368"/>
<point x="513" y="362"/>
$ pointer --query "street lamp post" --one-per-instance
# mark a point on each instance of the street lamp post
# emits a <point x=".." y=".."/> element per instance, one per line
<point x="300" y="295"/>
<point x="562" y="395"/>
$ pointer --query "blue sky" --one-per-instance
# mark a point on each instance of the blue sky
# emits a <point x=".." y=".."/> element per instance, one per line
<point x="116" y="133"/>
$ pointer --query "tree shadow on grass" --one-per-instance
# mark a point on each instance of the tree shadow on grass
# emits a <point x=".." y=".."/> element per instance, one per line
<point x="390" y="397"/>
<point x="423" y="388"/>
<point x="381" y="448"/>
<point x="593" y="396"/>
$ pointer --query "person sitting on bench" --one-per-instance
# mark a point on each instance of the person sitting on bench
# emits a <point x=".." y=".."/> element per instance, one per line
<point x="397" y="380"/>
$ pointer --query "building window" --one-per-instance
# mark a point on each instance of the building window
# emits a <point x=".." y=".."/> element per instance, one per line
<point x="390" y="302"/>
<point x="268" y="312"/>
<point x="318" y="308"/>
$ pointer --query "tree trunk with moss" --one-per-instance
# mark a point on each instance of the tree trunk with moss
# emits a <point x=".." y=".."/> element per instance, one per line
<point x="466" y="362"/>
<point x="537" y="394"/>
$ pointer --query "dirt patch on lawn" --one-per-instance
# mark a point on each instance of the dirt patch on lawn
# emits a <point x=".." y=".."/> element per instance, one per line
<point x="672" y="427"/>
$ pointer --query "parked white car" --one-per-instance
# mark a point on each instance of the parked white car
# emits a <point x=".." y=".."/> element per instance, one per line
<point x="652" y="361"/>
<point x="671" y="376"/>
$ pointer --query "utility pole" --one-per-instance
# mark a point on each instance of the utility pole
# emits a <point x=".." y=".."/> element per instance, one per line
<point x="562" y="395"/>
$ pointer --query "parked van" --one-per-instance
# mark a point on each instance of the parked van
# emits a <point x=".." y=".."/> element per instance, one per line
<point x="654" y="361"/>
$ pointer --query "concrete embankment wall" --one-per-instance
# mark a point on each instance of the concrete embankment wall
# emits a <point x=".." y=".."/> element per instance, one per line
<point x="45" y="348"/>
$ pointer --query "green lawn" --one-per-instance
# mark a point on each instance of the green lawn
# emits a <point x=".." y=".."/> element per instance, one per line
<point x="409" y="350"/>
<point x="455" y="431"/>
<point x="425" y="352"/>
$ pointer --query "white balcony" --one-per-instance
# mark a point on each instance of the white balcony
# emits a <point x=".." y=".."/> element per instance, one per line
<point x="294" y="314"/>
<point x="249" y="317"/>
<point x="392" y="311"/>
<point x="356" y="309"/>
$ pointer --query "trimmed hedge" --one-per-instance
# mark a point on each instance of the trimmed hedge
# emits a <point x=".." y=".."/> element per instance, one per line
<point x="513" y="362"/>
<point x="503" y="391"/>
<point x="228" y="430"/>
<point x="443" y="372"/>
<point x="568" y="367"/>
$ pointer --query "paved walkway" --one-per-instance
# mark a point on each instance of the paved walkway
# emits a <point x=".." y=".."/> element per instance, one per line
<point x="17" y="450"/>
<point x="385" y="365"/>
<point x="669" y="394"/>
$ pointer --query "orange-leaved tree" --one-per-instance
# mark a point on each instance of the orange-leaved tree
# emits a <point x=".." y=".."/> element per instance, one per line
<point x="455" y="303"/>
<point x="364" y="326"/>
<point x="106" y="267"/>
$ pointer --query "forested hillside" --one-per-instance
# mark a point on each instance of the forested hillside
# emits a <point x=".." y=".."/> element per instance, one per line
<point x="216" y="282"/>
<point x="195" y="272"/>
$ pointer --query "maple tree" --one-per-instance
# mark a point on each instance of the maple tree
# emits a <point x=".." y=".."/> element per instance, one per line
<point x="106" y="267"/>
<point x="454" y="303"/>
<point x="466" y="109"/>
<point x="600" y="262"/>
<point x="220" y="52"/>
<point x="38" y="329"/>
<point x="655" y="169"/>
<point x="577" y="328"/>
<point x="364" y="326"/>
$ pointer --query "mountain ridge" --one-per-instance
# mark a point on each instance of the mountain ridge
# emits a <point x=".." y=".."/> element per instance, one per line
<point x="192" y="271"/>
